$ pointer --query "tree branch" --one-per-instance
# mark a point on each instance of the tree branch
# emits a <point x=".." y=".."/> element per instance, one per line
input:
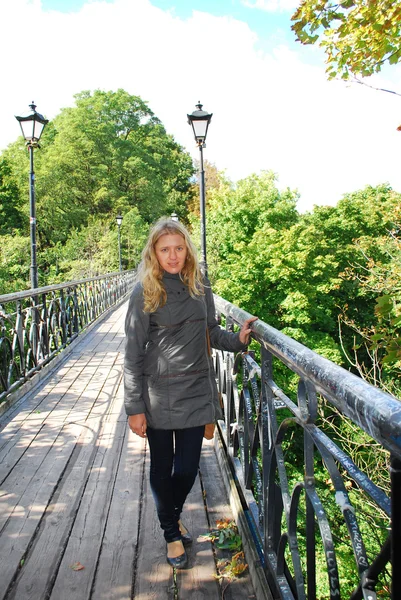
<point x="356" y="80"/>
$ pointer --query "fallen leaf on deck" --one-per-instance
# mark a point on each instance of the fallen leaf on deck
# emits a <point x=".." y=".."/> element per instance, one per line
<point x="77" y="566"/>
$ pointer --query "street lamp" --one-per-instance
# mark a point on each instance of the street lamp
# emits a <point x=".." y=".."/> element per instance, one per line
<point x="32" y="126"/>
<point x="119" y="220"/>
<point x="174" y="217"/>
<point x="200" y="120"/>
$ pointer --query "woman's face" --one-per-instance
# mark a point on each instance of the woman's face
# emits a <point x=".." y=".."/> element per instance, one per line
<point x="171" y="252"/>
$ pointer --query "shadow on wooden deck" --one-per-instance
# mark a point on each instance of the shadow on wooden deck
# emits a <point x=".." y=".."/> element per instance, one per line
<point x="74" y="489"/>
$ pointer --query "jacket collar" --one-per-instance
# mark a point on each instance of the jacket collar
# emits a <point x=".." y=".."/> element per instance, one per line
<point x="174" y="276"/>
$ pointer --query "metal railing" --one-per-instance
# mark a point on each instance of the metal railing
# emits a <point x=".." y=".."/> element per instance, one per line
<point x="35" y="325"/>
<point x="312" y="509"/>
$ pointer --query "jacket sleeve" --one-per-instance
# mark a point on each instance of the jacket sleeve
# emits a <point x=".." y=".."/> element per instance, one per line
<point x="219" y="337"/>
<point x="137" y="334"/>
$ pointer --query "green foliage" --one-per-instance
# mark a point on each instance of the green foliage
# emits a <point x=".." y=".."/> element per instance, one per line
<point x="358" y="36"/>
<point x="92" y="250"/>
<point x="14" y="263"/>
<point x="134" y="232"/>
<point x="10" y="200"/>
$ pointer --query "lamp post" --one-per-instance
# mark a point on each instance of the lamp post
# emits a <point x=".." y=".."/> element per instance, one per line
<point x="119" y="220"/>
<point x="200" y="120"/>
<point x="32" y="126"/>
<point x="174" y="217"/>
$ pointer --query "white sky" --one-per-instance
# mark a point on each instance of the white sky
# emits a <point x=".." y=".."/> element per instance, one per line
<point x="271" y="109"/>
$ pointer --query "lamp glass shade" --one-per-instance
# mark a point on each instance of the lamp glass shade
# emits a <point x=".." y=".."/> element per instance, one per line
<point x="31" y="129"/>
<point x="199" y="120"/>
<point x="200" y="128"/>
<point x="32" y="125"/>
<point x="119" y="220"/>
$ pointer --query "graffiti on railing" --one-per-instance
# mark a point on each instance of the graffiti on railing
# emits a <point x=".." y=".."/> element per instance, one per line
<point x="35" y="325"/>
<point x="325" y="528"/>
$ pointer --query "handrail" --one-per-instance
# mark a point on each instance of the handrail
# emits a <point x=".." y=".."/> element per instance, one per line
<point x="30" y="293"/>
<point x="36" y="324"/>
<point x="292" y="513"/>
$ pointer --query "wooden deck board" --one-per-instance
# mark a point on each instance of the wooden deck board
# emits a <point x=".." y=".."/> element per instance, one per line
<point x="74" y="487"/>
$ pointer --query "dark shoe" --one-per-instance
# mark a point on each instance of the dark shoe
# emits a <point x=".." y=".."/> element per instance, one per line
<point x="179" y="562"/>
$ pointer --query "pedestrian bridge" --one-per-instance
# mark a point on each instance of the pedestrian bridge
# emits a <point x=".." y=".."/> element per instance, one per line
<point x="77" y="519"/>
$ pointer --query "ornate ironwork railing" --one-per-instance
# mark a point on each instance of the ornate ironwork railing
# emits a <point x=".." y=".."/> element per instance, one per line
<point x="36" y="324"/>
<point x="322" y="526"/>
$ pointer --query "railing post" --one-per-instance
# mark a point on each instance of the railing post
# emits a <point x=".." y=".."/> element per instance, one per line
<point x="44" y="336"/>
<point x="63" y="317"/>
<point x="230" y="415"/>
<point x="86" y="303"/>
<point x="270" y="505"/>
<point x="265" y="437"/>
<point x="19" y="328"/>
<point x="76" y="310"/>
<point x="395" y="470"/>
<point x="309" y="414"/>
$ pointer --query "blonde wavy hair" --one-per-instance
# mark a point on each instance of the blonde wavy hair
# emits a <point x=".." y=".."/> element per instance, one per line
<point x="150" y="273"/>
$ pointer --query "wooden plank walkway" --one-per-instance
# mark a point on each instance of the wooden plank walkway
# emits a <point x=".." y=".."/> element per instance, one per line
<point x="74" y="489"/>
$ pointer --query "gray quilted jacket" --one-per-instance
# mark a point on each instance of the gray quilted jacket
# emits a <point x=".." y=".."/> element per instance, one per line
<point x="168" y="373"/>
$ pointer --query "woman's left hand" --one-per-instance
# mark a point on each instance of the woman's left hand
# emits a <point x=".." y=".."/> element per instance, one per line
<point x="245" y="332"/>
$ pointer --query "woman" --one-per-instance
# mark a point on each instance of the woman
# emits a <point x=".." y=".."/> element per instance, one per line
<point x="170" y="389"/>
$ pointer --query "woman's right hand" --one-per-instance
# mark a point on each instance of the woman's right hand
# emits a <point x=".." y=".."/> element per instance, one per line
<point x="137" y="424"/>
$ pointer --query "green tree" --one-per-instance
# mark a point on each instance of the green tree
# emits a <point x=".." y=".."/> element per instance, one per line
<point x="134" y="232"/>
<point x="14" y="263"/>
<point x="358" y="36"/>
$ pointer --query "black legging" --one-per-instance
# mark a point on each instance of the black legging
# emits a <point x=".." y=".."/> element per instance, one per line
<point x="174" y="463"/>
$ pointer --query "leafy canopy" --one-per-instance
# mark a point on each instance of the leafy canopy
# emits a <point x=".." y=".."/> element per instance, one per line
<point x="358" y="36"/>
<point x="107" y="155"/>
